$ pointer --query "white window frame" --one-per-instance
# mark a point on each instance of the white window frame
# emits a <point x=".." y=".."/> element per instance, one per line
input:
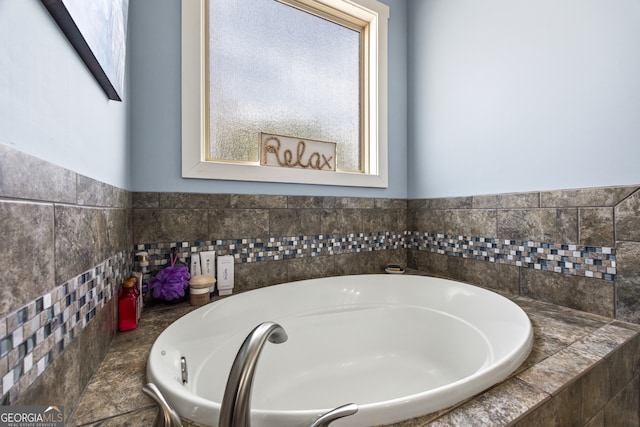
<point x="195" y="110"/>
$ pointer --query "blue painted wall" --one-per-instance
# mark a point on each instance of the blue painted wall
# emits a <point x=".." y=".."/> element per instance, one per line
<point x="485" y="97"/>
<point x="51" y="107"/>
<point x="515" y="95"/>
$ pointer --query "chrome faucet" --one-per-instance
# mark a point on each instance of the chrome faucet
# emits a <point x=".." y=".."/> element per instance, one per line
<point x="235" y="410"/>
<point x="167" y="416"/>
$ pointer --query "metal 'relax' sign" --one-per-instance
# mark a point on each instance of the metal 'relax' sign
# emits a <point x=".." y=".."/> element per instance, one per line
<point x="289" y="152"/>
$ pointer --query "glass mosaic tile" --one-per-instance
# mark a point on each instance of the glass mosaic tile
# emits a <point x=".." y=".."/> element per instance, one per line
<point x="39" y="331"/>
<point x="6" y="345"/>
<point x="588" y="261"/>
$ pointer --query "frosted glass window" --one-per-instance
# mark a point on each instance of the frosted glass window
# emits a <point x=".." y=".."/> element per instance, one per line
<point x="276" y="69"/>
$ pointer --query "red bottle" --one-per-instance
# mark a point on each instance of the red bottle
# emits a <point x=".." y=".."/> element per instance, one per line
<point x="128" y="306"/>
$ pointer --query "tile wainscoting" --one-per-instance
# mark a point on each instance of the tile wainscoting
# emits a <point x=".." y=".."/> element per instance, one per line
<point x="274" y="239"/>
<point x="66" y="241"/>
<point x="577" y="248"/>
<point x="574" y="248"/>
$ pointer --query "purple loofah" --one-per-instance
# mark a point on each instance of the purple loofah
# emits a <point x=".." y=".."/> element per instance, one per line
<point x="170" y="283"/>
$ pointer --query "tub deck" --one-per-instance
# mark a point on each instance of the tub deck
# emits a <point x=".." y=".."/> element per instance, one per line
<point x="583" y="369"/>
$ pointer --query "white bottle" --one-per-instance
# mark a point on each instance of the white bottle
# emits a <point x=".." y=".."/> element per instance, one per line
<point x="225" y="275"/>
<point x="195" y="265"/>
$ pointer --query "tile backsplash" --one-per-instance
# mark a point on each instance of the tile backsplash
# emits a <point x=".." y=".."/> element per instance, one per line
<point x="274" y="239"/>
<point x="40" y="331"/>
<point x="577" y="248"/>
<point x="67" y="244"/>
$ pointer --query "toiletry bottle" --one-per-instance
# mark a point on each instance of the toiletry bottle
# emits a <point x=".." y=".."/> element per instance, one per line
<point x="136" y="292"/>
<point x="143" y="269"/>
<point x="137" y="276"/>
<point x="128" y="306"/>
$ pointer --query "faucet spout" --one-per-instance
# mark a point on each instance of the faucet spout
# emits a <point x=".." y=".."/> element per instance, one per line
<point x="235" y="410"/>
<point x="167" y="416"/>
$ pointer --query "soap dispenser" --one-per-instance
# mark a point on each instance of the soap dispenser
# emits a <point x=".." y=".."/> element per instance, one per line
<point x="143" y="262"/>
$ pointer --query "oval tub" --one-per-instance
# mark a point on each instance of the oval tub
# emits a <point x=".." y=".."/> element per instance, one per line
<point x="397" y="346"/>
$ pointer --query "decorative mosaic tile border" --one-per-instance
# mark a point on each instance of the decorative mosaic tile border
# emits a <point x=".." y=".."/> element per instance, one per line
<point x="576" y="260"/>
<point x="276" y="248"/>
<point x="38" y="332"/>
<point x="588" y="261"/>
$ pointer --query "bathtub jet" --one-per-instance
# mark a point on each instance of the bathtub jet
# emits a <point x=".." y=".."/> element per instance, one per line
<point x="398" y="346"/>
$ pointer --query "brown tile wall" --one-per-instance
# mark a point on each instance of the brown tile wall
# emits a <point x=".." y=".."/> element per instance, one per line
<point x="66" y="244"/>
<point x="606" y="217"/>
<point x="198" y="222"/>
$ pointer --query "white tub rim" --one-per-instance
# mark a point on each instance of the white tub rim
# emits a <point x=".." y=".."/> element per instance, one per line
<point x="506" y="365"/>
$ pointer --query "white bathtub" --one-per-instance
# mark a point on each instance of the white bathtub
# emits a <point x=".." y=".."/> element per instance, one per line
<point x="397" y="346"/>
